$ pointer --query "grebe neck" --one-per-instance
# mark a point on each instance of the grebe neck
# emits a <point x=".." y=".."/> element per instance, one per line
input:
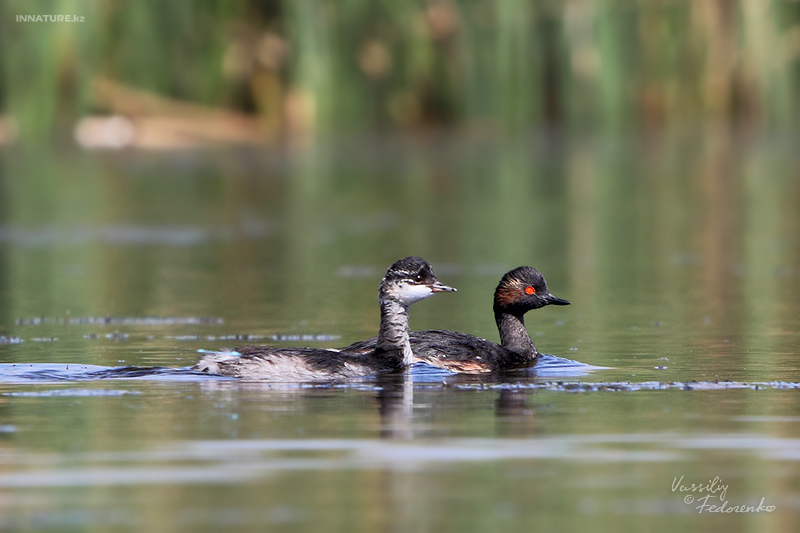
<point x="393" y="342"/>
<point x="513" y="335"/>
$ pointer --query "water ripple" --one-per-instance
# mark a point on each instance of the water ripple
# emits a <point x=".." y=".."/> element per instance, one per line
<point x="211" y="459"/>
<point x="421" y="373"/>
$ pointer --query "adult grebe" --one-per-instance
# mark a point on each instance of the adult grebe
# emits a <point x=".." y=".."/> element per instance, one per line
<point x="407" y="281"/>
<point x="520" y="290"/>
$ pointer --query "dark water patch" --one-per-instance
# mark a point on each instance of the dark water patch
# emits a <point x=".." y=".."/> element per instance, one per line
<point x="158" y="372"/>
<point x="627" y="386"/>
<point x="314" y="338"/>
<point x="305" y="337"/>
<point x="123" y="320"/>
<point x="233" y="337"/>
<point x="73" y="393"/>
<point x="124" y="235"/>
<point x="49" y="373"/>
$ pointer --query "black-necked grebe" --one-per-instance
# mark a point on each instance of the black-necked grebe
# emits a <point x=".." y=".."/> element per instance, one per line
<point x="407" y="281"/>
<point x="519" y="291"/>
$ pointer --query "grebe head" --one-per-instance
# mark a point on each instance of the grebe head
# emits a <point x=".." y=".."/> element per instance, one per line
<point x="523" y="289"/>
<point x="410" y="280"/>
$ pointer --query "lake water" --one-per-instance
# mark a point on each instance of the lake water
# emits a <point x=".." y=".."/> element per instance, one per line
<point x="680" y="257"/>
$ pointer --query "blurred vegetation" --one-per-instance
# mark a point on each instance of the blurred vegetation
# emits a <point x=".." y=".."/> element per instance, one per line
<point x="315" y="65"/>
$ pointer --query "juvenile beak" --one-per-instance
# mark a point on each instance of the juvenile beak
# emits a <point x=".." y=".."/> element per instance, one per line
<point x="441" y="287"/>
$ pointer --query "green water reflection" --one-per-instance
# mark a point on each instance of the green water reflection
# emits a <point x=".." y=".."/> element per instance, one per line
<point x="679" y="257"/>
<point x="213" y="455"/>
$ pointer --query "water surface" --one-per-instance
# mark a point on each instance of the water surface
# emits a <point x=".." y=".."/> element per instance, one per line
<point x="678" y="256"/>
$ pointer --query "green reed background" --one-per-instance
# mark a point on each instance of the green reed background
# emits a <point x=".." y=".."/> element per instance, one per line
<point x="349" y="65"/>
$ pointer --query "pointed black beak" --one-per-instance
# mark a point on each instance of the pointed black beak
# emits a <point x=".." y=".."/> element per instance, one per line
<point x="550" y="299"/>
<point x="438" y="286"/>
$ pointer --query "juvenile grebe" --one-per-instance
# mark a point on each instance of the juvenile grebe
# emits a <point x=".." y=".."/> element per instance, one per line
<point x="519" y="291"/>
<point x="407" y="281"/>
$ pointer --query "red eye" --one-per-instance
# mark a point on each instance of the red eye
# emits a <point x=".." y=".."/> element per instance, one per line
<point x="529" y="290"/>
